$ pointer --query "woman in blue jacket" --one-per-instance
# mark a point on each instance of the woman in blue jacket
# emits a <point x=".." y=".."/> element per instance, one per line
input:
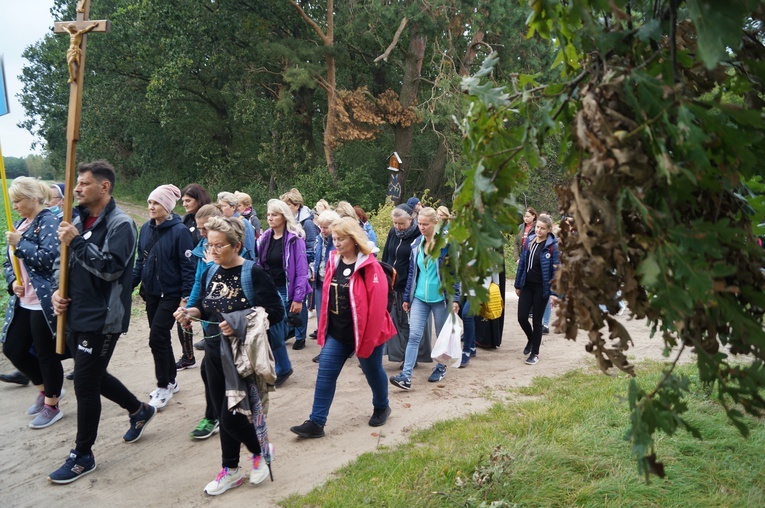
<point x="536" y="269"/>
<point x="166" y="274"/>
<point x="29" y="320"/>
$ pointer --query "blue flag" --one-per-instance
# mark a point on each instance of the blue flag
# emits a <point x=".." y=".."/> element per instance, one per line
<point x="3" y="91"/>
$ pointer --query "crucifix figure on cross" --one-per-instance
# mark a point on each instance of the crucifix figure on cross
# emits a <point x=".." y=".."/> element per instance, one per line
<point x="75" y="59"/>
<point x="74" y="53"/>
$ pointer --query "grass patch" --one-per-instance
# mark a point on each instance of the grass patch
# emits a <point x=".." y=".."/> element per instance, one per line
<point x="562" y="447"/>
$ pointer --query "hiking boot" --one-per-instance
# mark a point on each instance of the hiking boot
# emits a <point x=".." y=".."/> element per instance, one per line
<point x="16" y="378"/>
<point x="200" y="346"/>
<point x="160" y="397"/>
<point x="226" y="479"/>
<point x="401" y="381"/>
<point x="532" y="359"/>
<point x="205" y="429"/>
<point x="47" y="417"/>
<point x="38" y="405"/>
<point x="465" y="360"/>
<point x="259" y="471"/>
<point x="308" y="429"/>
<point x="439" y="372"/>
<point x="185" y="363"/>
<point x="76" y="466"/>
<point x="281" y="378"/>
<point x="379" y="417"/>
<point x="138" y="423"/>
<point x="527" y="349"/>
<point x="298" y="345"/>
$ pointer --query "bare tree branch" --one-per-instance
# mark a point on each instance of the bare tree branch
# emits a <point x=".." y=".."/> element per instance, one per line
<point x="312" y="24"/>
<point x="392" y="45"/>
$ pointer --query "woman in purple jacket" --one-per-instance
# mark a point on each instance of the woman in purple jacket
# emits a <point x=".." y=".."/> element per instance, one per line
<point x="282" y="253"/>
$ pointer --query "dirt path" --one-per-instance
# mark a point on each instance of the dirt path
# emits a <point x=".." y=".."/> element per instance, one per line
<point x="167" y="468"/>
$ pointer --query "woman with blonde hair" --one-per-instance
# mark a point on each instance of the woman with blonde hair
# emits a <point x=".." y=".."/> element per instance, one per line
<point x="305" y="217"/>
<point x="353" y="318"/>
<point x="282" y="253"/>
<point x="229" y="205"/>
<point x="424" y="296"/>
<point x="29" y="320"/>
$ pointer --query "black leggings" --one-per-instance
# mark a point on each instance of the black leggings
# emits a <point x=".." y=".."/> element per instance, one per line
<point x="531" y="298"/>
<point x="160" y="310"/>
<point x="235" y="428"/>
<point x="28" y="328"/>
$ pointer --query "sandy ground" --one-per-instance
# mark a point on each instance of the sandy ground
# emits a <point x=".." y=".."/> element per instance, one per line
<point x="167" y="468"/>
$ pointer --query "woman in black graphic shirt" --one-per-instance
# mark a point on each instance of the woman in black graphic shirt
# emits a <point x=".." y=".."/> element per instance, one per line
<point x="225" y="293"/>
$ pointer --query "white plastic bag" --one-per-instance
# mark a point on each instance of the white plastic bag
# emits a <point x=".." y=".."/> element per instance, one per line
<point x="448" y="346"/>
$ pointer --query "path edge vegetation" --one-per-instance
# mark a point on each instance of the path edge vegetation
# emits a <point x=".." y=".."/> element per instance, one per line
<point x="660" y="115"/>
<point x="556" y="442"/>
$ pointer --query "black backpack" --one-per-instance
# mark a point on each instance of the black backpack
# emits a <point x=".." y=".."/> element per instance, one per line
<point x="390" y="274"/>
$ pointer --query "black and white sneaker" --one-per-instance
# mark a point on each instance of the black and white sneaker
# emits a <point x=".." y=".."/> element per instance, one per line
<point x="532" y="359"/>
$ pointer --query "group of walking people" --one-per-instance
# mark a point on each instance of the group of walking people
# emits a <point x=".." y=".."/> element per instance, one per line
<point x="248" y="288"/>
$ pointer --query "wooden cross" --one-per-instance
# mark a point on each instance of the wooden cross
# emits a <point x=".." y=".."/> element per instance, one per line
<point x="75" y="60"/>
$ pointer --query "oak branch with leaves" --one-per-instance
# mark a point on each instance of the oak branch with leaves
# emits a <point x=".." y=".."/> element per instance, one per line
<point x="661" y="115"/>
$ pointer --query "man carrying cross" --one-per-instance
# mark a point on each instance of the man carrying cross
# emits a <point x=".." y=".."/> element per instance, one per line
<point x="102" y="243"/>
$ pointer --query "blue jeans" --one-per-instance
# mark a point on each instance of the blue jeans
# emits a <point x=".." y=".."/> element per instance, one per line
<point x="546" y="317"/>
<point x="333" y="357"/>
<point x="281" y="358"/>
<point x="419" y="313"/>
<point x="301" y="332"/>
<point x="468" y="334"/>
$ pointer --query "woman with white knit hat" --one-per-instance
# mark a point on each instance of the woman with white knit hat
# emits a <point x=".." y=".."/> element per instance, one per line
<point x="165" y="271"/>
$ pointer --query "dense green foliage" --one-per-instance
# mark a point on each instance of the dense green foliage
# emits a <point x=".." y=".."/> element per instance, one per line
<point x="557" y="443"/>
<point x="234" y="94"/>
<point x="657" y="155"/>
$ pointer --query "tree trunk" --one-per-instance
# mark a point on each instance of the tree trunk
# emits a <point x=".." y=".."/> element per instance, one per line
<point x="435" y="174"/>
<point x="410" y="87"/>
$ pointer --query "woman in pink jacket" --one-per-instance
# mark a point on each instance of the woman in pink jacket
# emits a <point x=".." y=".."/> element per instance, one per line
<point x="353" y="318"/>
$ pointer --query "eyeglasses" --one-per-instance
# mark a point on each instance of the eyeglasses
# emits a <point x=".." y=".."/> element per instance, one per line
<point x="217" y="248"/>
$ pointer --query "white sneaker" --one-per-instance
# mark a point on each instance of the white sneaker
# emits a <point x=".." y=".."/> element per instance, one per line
<point x="226" y="479"/>
<point x="160" y="397"/>
<point x="259" y="470"/>
<point x="174" y="386"/>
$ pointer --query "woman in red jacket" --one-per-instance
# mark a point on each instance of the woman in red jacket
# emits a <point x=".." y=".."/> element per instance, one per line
<point x="353" y="318"/>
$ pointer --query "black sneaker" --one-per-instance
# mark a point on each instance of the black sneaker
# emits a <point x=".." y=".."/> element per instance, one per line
<point x="379" y="417"/>
<point x="315" y="359"/>
<point x="545" y="330"/>
<point x="200" y="346"/>
<point x="309" y="430"/>
<point x="185" y="363"/>
<point x="70" y="376"/>
<point x="76" y="466"/>
<point x="281" y="378"/>
<point x="401" y="381"/>
<point x="314" y="335"/>
<point x="138" y="423"/>
<point x="298" y="345"/>
<point x="527" y="349"/>
<point x="15" y="377"/>
<point x="532" y="359"/>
